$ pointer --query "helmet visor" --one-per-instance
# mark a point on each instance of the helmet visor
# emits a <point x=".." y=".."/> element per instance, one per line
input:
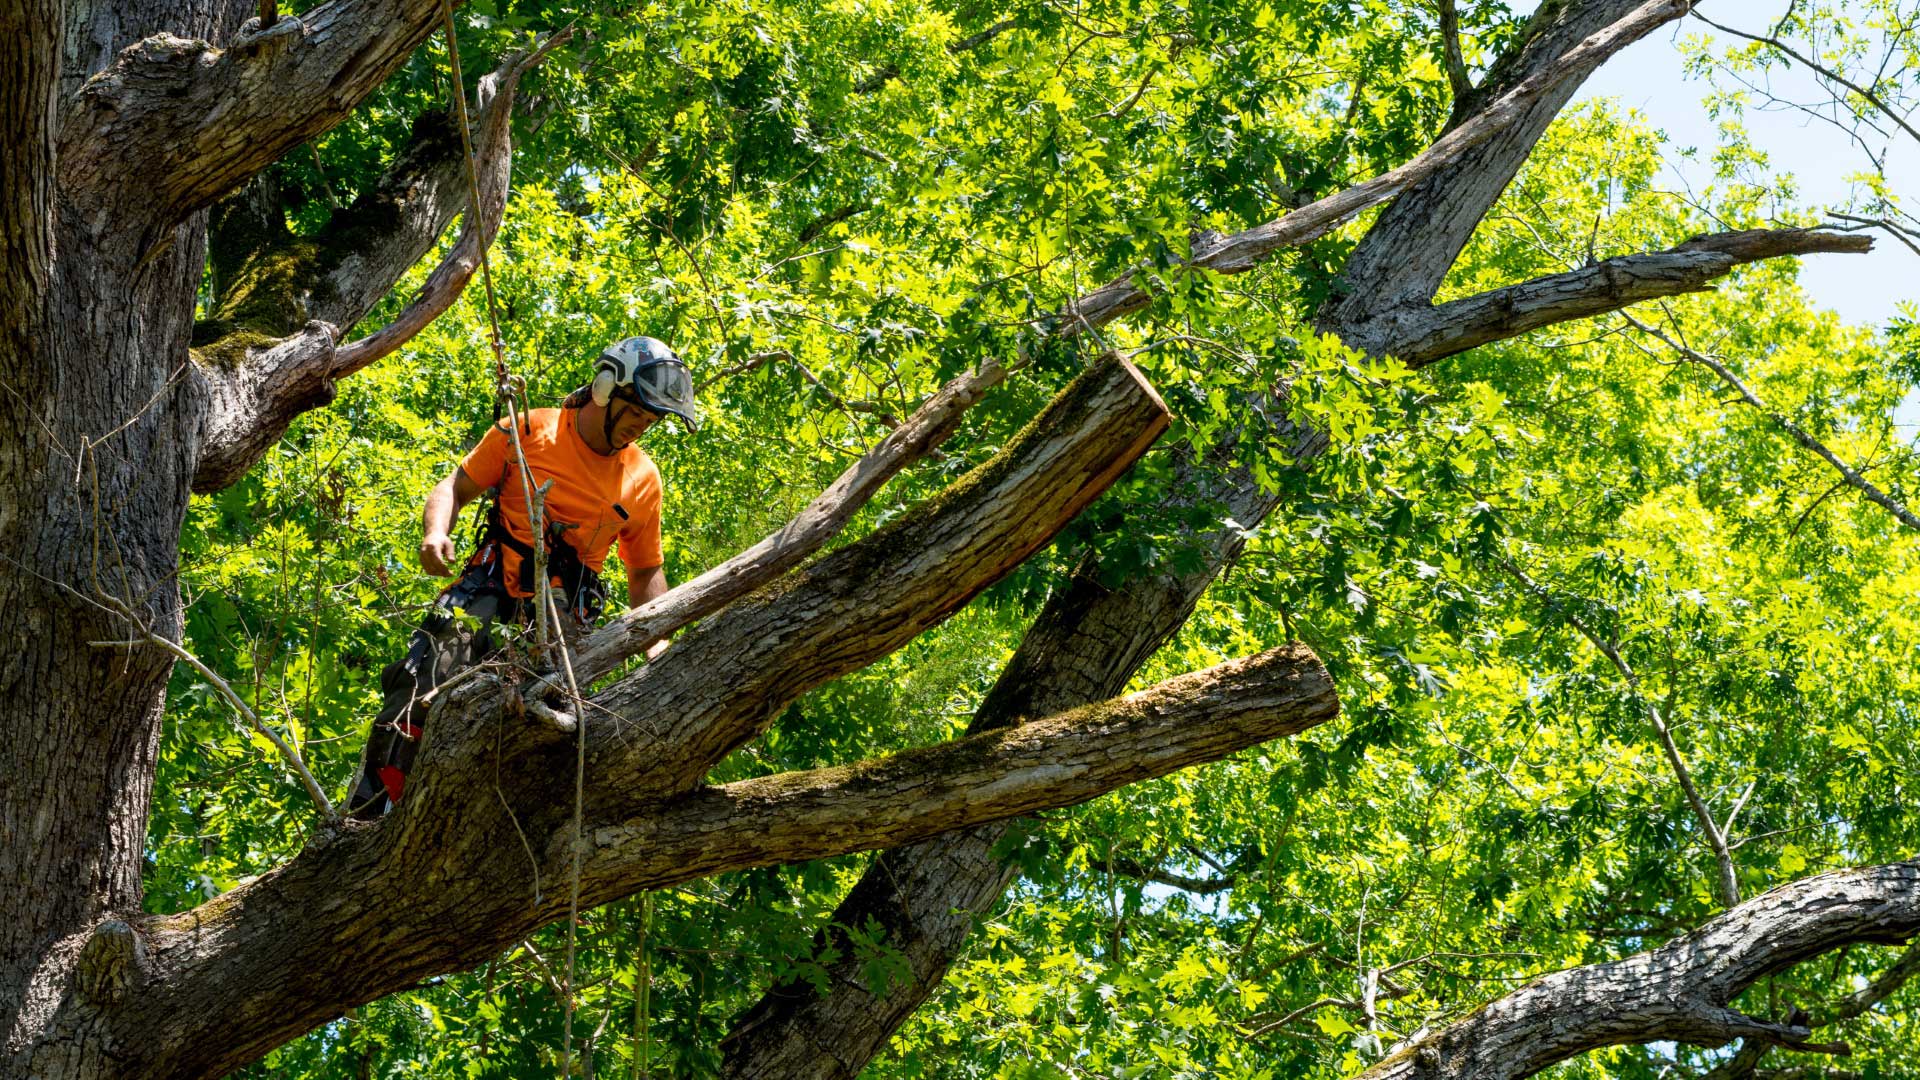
<point x="665" y="386"/>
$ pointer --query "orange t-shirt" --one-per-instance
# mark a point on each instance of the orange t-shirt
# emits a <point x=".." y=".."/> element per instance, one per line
<point x="589" y="491"/>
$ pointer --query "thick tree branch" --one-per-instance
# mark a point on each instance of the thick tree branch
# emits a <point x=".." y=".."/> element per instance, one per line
<point x="1422" y="333"/>
<point x="1246" y="249"/>
<point x="259" y="385"/>
<point x="1680" y="991"/>
<point x="1085" y="646"/>
<point x="243" y="973"/>
<point x="176" y="123"/>
<point x="288" y="951"/>
<point x="1039" y="765"/>
<point x="1405" y="256"/>
<point x="867" y="599"/>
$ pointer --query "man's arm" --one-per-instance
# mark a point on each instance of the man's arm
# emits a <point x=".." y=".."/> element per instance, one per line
<point x="643" y="584"/>
<point x="444" y="502"/>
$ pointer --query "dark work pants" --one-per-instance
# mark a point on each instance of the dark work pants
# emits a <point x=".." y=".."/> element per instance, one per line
<point x="444" y="645"/>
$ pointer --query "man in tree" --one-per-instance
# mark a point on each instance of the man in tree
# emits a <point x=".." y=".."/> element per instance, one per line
<point x="603" y="488"/>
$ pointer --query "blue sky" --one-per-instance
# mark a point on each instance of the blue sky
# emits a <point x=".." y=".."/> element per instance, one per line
<point x="1647" y="77"/>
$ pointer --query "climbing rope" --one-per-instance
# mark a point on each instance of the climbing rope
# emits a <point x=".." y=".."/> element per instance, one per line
<point x="546" y="611"/>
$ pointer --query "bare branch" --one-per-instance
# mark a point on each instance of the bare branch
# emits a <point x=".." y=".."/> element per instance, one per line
<point x="287" y="753"/>
<point x="1422" y="333"/>
<point x="1894" y="229"/>
<point x="1039" y="765"/>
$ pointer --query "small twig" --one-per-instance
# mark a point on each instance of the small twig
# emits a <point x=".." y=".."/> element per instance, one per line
<point x="1800" y="434"/>
<point x="1869" y="96"/>
<point x="1133" y="99"/>
<point x="1728" y="886"/>
<point x="1739" y="804"/>
<point x="1300" y="1012"/>
<point x="1896" y="230"/>
<point x="287" y="752"/>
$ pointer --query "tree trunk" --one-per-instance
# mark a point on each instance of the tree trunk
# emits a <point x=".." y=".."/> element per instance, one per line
<point x="103" y="418"/>
<point x="106" y="415"/>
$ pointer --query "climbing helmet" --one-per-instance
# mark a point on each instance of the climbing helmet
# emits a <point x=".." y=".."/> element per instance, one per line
<point x="645" y="370"/>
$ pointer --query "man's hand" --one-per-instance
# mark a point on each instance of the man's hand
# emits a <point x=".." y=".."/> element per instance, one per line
<point x="436" y="520"/>
<point x="436" y="554"/>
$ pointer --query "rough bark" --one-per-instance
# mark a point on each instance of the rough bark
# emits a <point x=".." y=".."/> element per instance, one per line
<point x="191" y="110"/>
<point x="1084" y="647"/>
<point x="106" y="425"/>
<point x="101" y="431"/>
<point x="443" y="882"/>
<point x="210" y="989"/>
<point x="1088" y="640"/>
<point x="271" y="347"/>
<point x="1421" y="333"/>
<point x="1681" y="991"/>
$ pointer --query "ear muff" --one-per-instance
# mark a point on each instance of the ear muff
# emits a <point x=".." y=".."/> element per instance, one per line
<point x="603" y="384"/>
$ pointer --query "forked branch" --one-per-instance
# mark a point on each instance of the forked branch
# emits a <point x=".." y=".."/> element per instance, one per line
<point x="257" y="391"/>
